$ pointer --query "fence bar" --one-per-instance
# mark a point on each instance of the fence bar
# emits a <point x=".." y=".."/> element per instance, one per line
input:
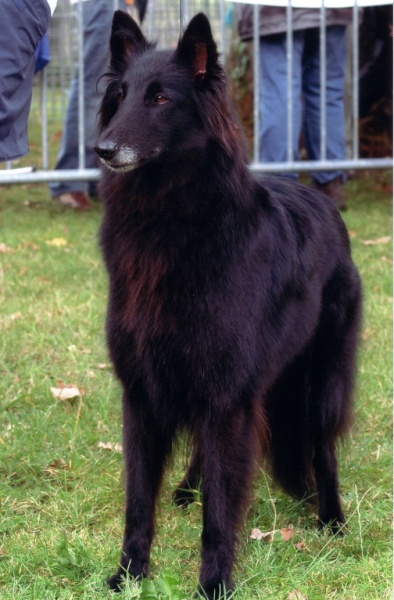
<point x="150" y="17"/>
<point x="289" y="59"/>
<point x="11" y="176"/>
<point x="183" y="13"/>
<point x="81" y="90"/>
<point x="355" y="81"/>
<point x="322" y="165"/>
<point x="323" y="79"/>
<point x="182" y="19"/>
<point x="222" y="13"/>
<point x="44" y="119"/>
<point x="256" y="80"/>
<point x="24" y="175"/>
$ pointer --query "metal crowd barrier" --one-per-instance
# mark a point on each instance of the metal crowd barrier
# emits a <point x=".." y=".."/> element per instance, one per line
<point x="164" y="19"/>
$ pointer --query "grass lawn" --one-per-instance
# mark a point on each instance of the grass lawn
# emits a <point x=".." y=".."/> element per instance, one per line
<point x="61" y="490"/>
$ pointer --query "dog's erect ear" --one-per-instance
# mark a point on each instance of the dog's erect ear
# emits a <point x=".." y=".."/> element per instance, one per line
<point x="126" y="39"/>
<point x="197" y="47"/>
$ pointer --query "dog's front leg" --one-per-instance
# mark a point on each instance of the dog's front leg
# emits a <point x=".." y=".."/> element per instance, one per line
<point x="228" y="452"/>
<point x="144" y="449"/>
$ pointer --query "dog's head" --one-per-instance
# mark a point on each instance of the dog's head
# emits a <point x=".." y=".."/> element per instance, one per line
<point x="157" y="104"/>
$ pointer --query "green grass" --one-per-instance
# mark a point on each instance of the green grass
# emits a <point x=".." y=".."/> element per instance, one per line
<point x="62" y="495"/>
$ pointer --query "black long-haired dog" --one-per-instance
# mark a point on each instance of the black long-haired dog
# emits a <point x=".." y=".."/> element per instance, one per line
<point x="234" y="306"/>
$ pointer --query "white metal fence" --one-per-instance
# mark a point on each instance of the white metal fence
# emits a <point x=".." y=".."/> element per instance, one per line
<point x="164" y="19"/>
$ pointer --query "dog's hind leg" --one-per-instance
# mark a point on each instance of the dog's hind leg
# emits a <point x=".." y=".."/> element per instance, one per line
<point x="185" y="491"/>
<point x="145" y="448"/>
<point x="331" y="380"/>
<point x="326" y="473"/>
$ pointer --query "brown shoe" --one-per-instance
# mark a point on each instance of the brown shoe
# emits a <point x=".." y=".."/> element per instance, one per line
<point x="333" y="189"/>
<point x="75" y="200"/>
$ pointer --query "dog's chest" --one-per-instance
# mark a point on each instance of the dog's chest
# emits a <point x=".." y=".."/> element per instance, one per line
<point x="173" y="318"/>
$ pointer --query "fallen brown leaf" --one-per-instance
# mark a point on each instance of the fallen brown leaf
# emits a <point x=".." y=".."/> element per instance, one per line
<point x="4" y="249"/>
<point x="15" y="316"/>
<point x="31" y="246"/>
<point x="110" y="446"/>
<point x="296" y="595"/>
<point x="287" y="533"/>
<point x="257" y="534"/>
<point x="56" y="465"/>
<point x="301" y="546"/>
<point x="377" y="242"/>
<point x="57" y="242"/>
<point x="66" y="392"/>
<point x="386" y="260"/>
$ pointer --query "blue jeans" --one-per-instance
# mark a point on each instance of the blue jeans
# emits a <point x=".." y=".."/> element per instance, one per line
<point x="25" y="22"/>
<point x="96" y="24"/>
<point x="306" y="97"/>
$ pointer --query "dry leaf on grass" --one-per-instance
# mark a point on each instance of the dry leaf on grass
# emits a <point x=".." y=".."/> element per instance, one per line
<point x="382" y="240"/>
<point x="286" y="533"/>
<point x="110" y="446"/>
<point x="257" y="534"/>
<point x="296" y="595"/>
<point x="15" y="316"/>
<point x="301" y="546"/>
<point x="66" y="392"/>
<point x="386" y="260"/>
<point x="56" y="465"/>
<point x="58" y="242"/>
<point x="31" y="246"/>
<point x="4" y="249"/>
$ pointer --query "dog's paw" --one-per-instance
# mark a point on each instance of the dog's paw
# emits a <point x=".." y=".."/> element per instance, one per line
<point x="137" y="571"/>
<point x="336" y="525"/>
<point x="116" y="581"/>
<point x="182" y="497"/>
<point x="214" y="592"/>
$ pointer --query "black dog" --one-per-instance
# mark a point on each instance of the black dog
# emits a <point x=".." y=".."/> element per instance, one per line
<point x="234" y="306"/>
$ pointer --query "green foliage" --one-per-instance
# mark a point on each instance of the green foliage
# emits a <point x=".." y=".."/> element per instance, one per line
<point x="61" y="490"/>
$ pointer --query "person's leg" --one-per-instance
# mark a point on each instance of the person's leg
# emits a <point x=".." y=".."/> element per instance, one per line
<point x="24" y="26"/>
<point x="68" y="153"/>
<point x="273" y="94"/>
<point x="97" y="18"/>
<point x="335" y="119"/>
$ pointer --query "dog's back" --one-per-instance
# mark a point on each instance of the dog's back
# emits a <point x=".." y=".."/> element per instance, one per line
<point x="234" y="306"/>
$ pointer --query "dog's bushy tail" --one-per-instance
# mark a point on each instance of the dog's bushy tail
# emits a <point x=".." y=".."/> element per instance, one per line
<point x="291" y="446"/>
<point x="310" y="407"/>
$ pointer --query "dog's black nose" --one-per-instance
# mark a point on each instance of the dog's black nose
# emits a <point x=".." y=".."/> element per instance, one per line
<point x="105" y="149"/>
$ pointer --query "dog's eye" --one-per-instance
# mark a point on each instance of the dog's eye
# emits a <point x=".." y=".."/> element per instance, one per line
<point x="122" y="92"/>
<point x="160" y="99"/>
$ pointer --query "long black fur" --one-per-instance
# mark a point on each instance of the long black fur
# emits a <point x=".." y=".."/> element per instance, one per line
<point x="234" y="306"/>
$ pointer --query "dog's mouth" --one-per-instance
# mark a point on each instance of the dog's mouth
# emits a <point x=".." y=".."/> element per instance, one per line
<point x="120" y="168"/>
<point x="122" y="160"/>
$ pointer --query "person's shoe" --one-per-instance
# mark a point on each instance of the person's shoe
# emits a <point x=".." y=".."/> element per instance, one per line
<point x="334" y="190"/>
<point x="75" y="200"/>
